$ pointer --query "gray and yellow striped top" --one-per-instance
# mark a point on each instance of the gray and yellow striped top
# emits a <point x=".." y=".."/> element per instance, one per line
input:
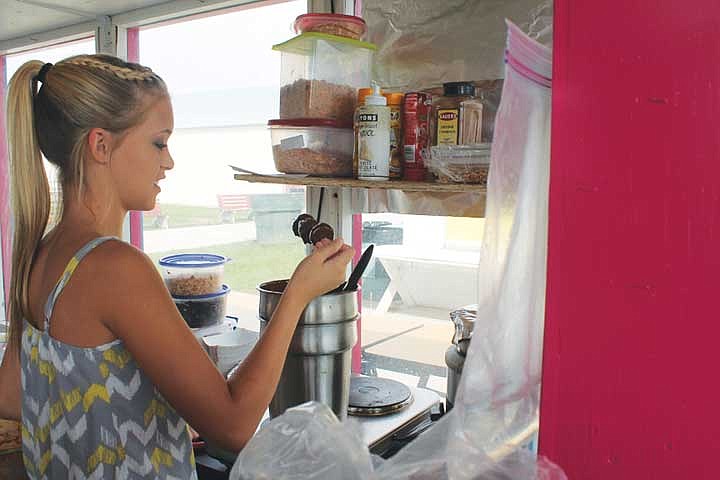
<point x="91" y="412"/>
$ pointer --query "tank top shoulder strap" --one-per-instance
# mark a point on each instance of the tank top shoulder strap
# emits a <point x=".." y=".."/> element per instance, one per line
<point x="67" y="274"/>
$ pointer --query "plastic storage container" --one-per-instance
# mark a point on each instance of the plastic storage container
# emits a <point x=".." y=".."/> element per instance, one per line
<point x="320" y="75"/>
<point x="460" y="163"/>
<point x="203" y="310"/>
<point x="331" y="23"/>
<point x="312" y="146"/>
<point x="191" y="274"/>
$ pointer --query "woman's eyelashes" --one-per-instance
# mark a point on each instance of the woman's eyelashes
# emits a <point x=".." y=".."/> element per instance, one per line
<point x="160" y="145"/>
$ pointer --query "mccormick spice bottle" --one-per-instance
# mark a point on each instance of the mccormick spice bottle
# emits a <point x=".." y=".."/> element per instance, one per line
<point x="457" y="115"/>
<point x="416" y="135"/>
<point x="395" y="101"/>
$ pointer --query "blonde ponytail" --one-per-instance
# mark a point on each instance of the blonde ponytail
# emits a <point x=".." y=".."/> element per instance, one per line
<point x="30" y="191"/>
<point x="77" y="94"/>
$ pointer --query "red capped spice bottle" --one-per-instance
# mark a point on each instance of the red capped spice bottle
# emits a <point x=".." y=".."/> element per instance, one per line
<point x="416" y="135"/>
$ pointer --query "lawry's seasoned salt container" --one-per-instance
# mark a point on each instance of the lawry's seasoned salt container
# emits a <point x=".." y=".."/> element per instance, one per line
<point x="373" y="137"/>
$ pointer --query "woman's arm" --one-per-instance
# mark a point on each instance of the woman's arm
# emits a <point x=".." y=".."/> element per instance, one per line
<point x="10" y="391"/>
<point x="141" y="312"/>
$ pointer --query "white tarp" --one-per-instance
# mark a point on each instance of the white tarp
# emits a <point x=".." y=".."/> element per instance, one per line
<point x="496" y="408"/>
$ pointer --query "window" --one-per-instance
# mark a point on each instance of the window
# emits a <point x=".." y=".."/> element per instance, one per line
<point x="224" y="80"/>
<point x="423" y="268"/>
<point x="13" y="62"/>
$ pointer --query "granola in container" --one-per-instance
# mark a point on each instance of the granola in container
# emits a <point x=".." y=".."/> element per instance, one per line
<point x="460" y="163"/>
<point x="312" y="146"/>
<point x="320" y="74"/>
<point x="317" y="99"/>
<point x="192" y="274"/>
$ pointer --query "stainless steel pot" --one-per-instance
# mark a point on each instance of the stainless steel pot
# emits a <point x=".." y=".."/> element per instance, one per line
<point x="319" y="360"/>
<point x="464" y="319"/>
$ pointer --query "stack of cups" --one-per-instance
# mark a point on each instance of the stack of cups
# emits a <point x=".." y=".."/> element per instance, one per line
<point x="195" y="284"/>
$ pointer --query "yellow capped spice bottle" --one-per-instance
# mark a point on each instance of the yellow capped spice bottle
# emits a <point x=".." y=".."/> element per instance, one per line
<point x="395" y="102"/>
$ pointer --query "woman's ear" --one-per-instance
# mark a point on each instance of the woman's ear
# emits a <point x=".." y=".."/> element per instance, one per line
<point x="100" y="145"/>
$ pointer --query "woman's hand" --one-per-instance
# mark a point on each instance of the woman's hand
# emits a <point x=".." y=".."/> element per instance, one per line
<point x="321" y="271"/>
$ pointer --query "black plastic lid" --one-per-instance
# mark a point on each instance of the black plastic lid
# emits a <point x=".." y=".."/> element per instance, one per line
<point x="456" y="89"/>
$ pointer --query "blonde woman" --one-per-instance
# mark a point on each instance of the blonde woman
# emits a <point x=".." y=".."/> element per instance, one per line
<point x="101" y="369"/>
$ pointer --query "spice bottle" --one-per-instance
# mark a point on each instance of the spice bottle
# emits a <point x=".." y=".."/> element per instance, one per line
<point x="362" y="93"/>
<point x="457" y="115"/>
<point x="416" y="135"/>
<point x="373" y="137"/>
<point x="395" y="101"/>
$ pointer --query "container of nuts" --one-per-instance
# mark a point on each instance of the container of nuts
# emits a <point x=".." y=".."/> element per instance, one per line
<point x="460" y="163"/>
<point x="193" y="274"/>
<point x="312" y="146"/>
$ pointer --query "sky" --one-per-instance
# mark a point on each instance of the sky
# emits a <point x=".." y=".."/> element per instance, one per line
<point x="220" y="70"/>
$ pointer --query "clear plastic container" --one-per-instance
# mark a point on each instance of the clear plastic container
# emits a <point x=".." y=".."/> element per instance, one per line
<point x="460" y="163"/>
<point x="331" y="23"/>
<point x="192" y="274"/>
<point x="203" y="310"/>
<point x="320" y="75"/>
<point x="312" y="146"/>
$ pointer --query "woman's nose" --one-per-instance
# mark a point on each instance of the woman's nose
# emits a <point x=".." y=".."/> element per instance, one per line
<point x="168" y="163"/>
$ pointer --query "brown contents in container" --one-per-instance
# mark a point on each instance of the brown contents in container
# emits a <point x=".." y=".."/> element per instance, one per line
<point x="194" y="285"/>
<point x="320" y="231"/>
<point x="475" y="174"/>
<point x="348" y="30"/>
<point x="317" y="99"/>
<point x="312" y="162"/>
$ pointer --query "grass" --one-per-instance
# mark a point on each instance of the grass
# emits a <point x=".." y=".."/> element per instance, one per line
<point x="252" y="262"/>
<point x="188" y="216"/>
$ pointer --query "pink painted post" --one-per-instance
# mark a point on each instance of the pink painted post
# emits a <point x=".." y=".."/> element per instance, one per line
<point x="5" y="233"/>
<point x="357" y="245"/>
<point x="136" y="218"/>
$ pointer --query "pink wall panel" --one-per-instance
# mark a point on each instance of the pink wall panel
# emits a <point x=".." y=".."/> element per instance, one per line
<point x="630" y="383"/>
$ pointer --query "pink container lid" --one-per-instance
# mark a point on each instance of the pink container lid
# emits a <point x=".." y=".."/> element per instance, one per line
<point x="309" y="20"/>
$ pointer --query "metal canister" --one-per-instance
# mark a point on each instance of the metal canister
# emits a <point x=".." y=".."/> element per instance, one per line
<point x="464" y="319"/>
<point x="319" y="360"/>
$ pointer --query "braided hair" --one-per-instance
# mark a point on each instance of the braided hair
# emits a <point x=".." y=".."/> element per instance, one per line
<point x="75" y="95"/>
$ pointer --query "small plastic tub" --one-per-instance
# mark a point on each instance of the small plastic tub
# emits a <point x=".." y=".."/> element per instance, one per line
<point x="203" y="310"/>
<point x="331" y="23"/>
<point x="461" y="163"/>
<point x="192" y="274"/>
<point x="312" y="146"/>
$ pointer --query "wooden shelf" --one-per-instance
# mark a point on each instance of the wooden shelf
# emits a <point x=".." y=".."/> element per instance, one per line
<point x="354" y="183"/>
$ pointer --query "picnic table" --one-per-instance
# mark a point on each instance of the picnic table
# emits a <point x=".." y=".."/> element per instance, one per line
<point x="440" y="278"/>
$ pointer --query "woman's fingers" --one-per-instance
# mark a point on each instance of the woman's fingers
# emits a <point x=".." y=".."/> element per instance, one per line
<point x="328" y="248"/>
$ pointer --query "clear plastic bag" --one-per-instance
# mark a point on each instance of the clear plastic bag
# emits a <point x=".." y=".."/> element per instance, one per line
<point x="497" y="403"/>
<point x="306" y="442"/>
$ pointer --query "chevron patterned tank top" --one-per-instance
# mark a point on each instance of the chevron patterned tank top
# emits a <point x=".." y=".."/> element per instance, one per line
<point x="91" y="412"/>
